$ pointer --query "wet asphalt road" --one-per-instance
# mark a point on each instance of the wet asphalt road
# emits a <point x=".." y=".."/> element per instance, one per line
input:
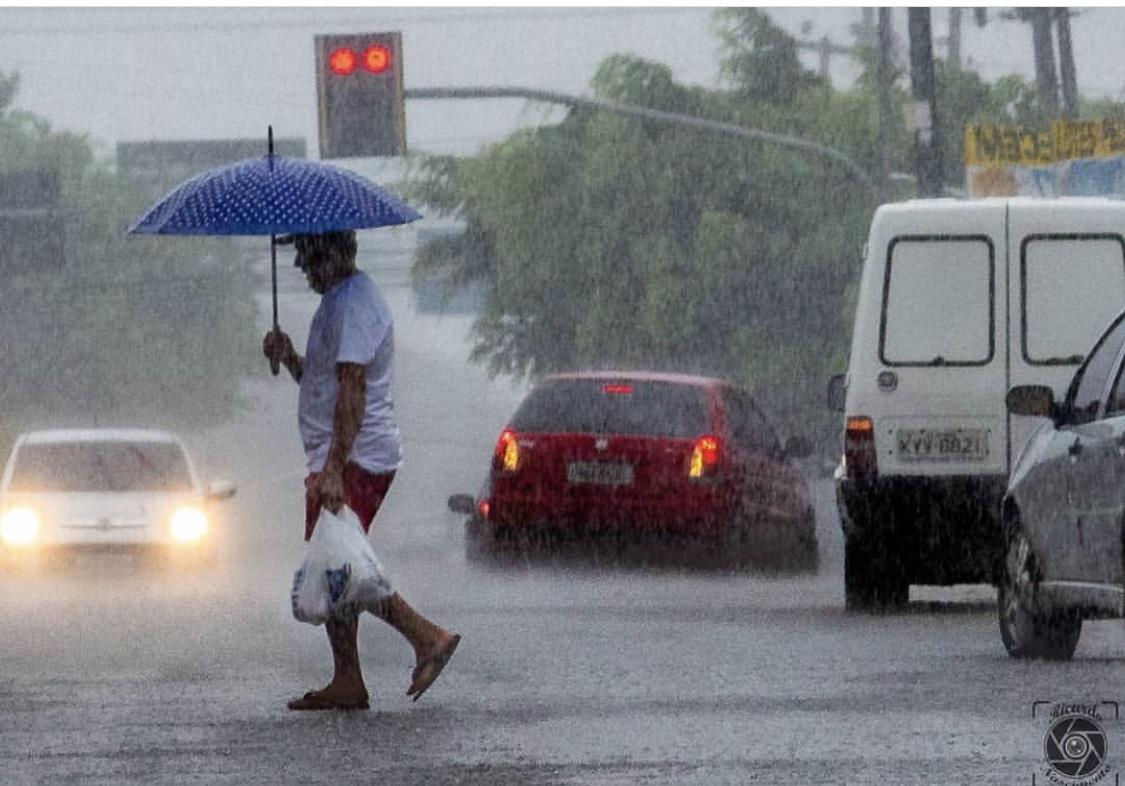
<point x="566" y="675"/>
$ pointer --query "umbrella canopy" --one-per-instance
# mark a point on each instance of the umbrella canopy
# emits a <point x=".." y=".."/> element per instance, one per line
<point x="273" y="195"/>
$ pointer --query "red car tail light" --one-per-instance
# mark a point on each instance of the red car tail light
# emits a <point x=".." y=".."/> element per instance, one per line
<point x="860" y="460"/>
<point x="483" y="508"/>
<point x="704" y="457"/>
<point x="506" y="457"/>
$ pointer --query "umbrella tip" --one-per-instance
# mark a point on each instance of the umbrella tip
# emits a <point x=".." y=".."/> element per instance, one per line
<point x="269" y="138"/>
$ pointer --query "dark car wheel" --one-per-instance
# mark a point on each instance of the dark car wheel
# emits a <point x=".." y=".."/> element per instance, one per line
<point x="808" y="553"/>
<point x="488" y="546"/>
<point x="1026" y="630"/>
<point x="874" y="579"/>
<point x="749" y="544"/>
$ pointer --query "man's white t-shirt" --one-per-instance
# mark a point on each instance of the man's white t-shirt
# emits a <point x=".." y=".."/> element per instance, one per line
<point x="352" y="325"/>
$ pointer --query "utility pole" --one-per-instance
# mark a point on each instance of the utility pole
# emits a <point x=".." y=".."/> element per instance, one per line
<point x="954" y="53"/>
<point x="1066" y="64"/>
<point x="825" y="49"/>
<point x="1046" y="77"/>
<point x="885" y="75"/>
<point x="923" y="86"/>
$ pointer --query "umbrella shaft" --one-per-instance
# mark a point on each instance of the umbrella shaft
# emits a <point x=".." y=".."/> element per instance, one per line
<point x="273" y="277"/>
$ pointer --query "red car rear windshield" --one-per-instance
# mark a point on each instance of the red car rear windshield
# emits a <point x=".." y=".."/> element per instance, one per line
<point x="595" y="406"/>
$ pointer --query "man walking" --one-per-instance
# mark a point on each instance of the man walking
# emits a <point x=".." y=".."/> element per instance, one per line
<point x="351" y="440"/>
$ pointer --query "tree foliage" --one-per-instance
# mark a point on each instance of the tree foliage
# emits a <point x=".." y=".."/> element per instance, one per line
<point x="131" y="329"/>
<point x="606" y="242"/>
<point x="761" y="58"/>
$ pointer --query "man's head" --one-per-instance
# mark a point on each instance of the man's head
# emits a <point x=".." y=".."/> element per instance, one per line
<point x="325" y="259"/>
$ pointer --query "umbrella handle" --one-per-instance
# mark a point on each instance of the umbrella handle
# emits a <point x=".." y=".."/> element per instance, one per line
<point x="275" y="364"/>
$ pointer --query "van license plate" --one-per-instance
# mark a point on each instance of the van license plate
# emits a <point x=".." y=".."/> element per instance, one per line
<point x="956" y="444"/>
<point x="599" y="473"/>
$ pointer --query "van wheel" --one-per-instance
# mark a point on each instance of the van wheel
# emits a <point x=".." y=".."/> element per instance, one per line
<point x="873" y="580"/>
<point x="1026" y="630"/>
<point x="859" y="587"/>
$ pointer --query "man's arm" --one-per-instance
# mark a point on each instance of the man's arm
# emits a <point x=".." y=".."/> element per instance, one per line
<point x="351" y="402"/>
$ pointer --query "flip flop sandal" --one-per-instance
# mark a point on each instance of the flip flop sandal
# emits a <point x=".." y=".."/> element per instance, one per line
<point x="428" y="670"/>
<point x="315" y="701"/>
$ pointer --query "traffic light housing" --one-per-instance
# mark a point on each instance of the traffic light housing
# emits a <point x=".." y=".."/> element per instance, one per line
<point x="360" y="95"/>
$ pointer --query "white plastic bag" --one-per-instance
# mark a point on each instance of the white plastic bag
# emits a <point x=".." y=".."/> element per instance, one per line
<point x="340" y="569"/>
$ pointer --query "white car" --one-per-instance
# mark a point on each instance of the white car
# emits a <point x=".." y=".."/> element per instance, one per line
<point x="73" y="491"/>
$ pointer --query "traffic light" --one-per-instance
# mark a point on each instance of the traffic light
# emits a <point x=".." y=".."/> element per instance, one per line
<point x="359" y="95"/>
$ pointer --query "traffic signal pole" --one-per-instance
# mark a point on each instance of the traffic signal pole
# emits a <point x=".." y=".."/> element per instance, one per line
<point x="643" y="113"/>
<point x="923" y="85"/>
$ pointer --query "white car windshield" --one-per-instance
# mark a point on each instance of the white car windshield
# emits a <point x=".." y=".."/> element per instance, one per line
<point x="101" y="466"/>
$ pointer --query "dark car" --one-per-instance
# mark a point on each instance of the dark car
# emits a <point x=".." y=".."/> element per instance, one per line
<point x="1065" y="507"/>
<point x="634" y="457"/>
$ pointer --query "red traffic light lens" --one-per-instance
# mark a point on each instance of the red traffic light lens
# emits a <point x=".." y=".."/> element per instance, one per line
<point x="342" y="61"/>
<point x="377" y="58"/>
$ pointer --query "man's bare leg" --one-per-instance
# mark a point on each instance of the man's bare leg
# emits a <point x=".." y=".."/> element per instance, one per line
<point x="433" y="645"/>
<point x="347" y="690"/>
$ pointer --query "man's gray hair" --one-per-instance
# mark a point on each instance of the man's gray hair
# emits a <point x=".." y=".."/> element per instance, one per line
<point x="343" y="242"/>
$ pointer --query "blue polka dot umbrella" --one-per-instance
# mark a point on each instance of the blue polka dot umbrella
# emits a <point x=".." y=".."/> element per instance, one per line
<point x="273" y="195"/>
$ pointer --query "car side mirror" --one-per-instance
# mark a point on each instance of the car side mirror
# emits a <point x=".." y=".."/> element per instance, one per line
<point x="218" y="490"/>
<point x="1033" y="400"/>
<point x="837" y="392"/>
<point x="798" y="447"/>
<point x="462" y="503"/>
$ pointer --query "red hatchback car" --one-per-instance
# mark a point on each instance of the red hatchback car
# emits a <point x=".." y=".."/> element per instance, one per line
<point x="645" y="456"/>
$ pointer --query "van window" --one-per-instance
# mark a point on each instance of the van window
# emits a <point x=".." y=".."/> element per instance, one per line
<point x="938" y="302"/>
<point x="1072" y="286"/>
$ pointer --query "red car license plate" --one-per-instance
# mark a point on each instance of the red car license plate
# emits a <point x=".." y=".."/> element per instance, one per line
<point x="599" y="473"/>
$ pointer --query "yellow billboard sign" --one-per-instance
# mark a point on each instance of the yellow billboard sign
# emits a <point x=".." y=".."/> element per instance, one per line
<point x="1066" y="140"/>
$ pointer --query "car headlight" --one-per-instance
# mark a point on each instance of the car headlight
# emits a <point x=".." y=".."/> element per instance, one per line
<point x="188" y="525"/>
<point x="19" y="526"/>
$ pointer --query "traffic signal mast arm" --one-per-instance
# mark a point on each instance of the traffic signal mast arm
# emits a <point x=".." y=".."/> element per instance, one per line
<point x="648" y="114"/>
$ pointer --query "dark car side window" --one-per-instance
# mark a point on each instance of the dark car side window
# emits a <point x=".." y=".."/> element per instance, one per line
<point x="1089" y="383"/>
<point x="748" y="426"/>
<point x="1115" y="404"/>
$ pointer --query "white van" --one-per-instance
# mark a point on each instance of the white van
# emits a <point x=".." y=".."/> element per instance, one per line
<point x="959" y="301"/>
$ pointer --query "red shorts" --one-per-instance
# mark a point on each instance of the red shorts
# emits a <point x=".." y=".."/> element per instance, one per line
<point x="364" y="492"/>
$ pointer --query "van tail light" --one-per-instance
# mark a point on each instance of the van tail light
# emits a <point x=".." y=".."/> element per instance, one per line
<point x="484" y="508"/>
<point x="704" y="457"/>
<point x="506" y="457"/>
<point x="859" y="449"/>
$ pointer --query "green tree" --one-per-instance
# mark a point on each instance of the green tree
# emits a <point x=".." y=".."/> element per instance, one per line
<point x="608" y="242"/>
<point x="761" y="59"/>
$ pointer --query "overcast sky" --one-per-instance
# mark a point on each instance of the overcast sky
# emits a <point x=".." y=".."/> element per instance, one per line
<point x="132" y="74"/>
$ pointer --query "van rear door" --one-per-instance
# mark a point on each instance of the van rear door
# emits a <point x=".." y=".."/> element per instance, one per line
<point x="941" y="344"/>
<point x="1066" y="265"/>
